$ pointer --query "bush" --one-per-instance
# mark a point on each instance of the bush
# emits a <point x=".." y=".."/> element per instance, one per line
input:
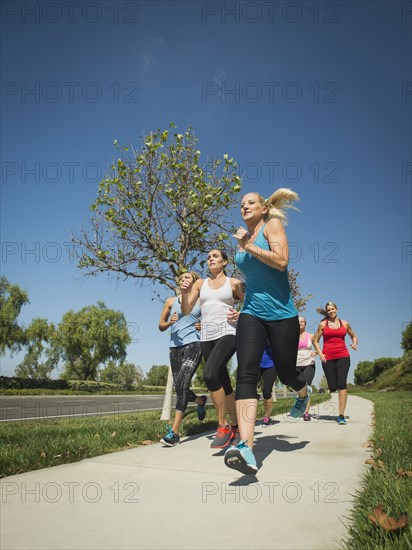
<point x="17" y="383"/>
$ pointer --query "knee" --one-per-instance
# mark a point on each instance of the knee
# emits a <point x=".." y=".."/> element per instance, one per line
<point x="212" y="382"/>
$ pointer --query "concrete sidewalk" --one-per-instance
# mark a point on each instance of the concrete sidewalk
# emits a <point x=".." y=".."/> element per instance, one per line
<point x="185" y="497"/>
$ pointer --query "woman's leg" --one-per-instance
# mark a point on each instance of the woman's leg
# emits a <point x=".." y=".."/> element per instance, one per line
<point x="251" y="338"/>
<point x="284" y="342"/>
<point x="268" y="379"/>
<point x="329" y="368"/>
<point x="217" y="354"/>
<point x="342" y="370"/>
<point x="309" y="374"/>
<point x="184" y="362"/>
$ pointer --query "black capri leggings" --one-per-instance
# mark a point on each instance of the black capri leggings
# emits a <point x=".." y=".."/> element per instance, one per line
<point x="217" y="353"/>
<point x="268" y="377"/>
<point x="184" y="361"/>
<point x="308" y="372"/>
<point x="251" y="336"/>
<point x="336" y="372"/>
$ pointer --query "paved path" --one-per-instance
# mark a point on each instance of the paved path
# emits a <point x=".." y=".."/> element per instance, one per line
<point x="185" y="497"/>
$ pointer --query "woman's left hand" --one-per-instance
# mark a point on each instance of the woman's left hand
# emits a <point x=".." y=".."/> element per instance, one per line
<point x="233" y="315"/>
<point x="354" y="346"/>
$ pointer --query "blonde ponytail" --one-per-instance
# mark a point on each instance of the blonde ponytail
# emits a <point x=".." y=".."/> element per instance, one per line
<point x="278" y="202"/>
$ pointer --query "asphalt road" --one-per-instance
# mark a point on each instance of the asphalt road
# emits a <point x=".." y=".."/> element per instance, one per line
<point x="39" y="407"/>
<point x="47" y="407"/>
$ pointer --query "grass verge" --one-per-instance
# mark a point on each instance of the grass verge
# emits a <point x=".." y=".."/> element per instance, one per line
<point x="384" y="483"/>
<point x="27" y="446"/>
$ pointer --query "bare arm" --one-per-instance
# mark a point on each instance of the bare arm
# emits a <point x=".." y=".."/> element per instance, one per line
<point x="164" y="321"/>
<point x="316" y="339"/>
<point x="312" y="337"/>
<point x="278" y="255"/>
<point x="190" y="297"/>
<point x="354" y="344"/>
<point x="238" y="290"/>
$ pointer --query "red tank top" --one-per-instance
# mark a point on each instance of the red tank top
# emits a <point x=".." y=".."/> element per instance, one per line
<point x="334" y="341"/>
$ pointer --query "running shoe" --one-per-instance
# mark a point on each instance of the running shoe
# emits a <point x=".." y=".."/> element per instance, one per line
<point x="235" y="436"/>
<point x="266" y="421"/>
<point x="170" y="439"/>
<point x="201" y="409"/>
<point x="241" y="458"/>
<point x="223" y="437"/>
<point x="341" y="420"/>
<point x="299" y="406"/>
<point x="306" y="417"/>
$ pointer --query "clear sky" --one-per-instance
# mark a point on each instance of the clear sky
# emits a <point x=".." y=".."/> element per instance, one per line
<point x="310" y="95"/>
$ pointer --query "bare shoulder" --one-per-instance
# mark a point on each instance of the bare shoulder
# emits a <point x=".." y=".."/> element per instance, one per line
<point x="273" y="225"/>
<point x="198" y="284"/>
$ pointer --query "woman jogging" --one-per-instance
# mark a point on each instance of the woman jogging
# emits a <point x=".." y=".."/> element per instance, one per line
<point x="335" y="355"/>
<point x="305" y="362"/>
<point x="217" y="295"/>
<point x="185" y="356"/>
<point x="268" y="313"/>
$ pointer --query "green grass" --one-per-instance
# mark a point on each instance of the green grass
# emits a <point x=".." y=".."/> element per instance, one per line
<point x="391" y="443"/>
<point x="27" y="446"/>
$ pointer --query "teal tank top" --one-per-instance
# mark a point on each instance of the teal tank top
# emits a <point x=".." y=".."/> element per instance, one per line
<point x="184" y="331"/>
<point x="268" y="294"/>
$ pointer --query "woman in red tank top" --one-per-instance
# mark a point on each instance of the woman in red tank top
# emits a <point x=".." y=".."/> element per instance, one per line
<point x="335" y="355"/>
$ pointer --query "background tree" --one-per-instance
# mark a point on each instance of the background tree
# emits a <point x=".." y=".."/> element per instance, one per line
<point x="406" y="342"/>
<point x="323" y="383"/>
<point x="157" y="375"/>
<point x="158" y="212"/>
<point x="42" y="356"/>
<point x="125" y="374"/>
<point x="88" y="338"/>
<point x="299" y="300"/>
<point x="12" y="299"/>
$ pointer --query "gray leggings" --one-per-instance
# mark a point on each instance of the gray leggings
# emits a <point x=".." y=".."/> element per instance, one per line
<point x="184" y="361"/>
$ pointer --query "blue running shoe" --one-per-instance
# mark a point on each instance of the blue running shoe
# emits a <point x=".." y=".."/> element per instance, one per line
<point x="341" y="420"/>
<point x="201" y="409"/>
<point x="170" y="439"/>
<point x="299" y="406"/>
<point x="241" y="458"/>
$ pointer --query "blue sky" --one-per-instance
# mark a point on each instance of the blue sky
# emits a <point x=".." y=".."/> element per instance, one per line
<point x="315" y="96"/>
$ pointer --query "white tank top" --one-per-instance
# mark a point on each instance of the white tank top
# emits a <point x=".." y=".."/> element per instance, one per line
<point x="214" y="305"/>
<point x="304" y="352"/>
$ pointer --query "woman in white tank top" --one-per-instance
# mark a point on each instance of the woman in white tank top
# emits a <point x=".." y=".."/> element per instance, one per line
<point x="305" y="362"/>
<point x="217" y="295"/>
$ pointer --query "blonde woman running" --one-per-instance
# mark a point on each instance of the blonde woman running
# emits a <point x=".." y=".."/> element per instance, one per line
<point x="268" y="314"/>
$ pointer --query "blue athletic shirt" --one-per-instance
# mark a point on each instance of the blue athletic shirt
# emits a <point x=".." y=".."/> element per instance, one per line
<point x="268" y="295"/>
<point x="183" y="331"/>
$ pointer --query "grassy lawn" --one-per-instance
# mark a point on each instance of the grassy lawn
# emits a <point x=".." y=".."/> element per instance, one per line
<point x="27" y="446"/>
<point x="386" y="484"/>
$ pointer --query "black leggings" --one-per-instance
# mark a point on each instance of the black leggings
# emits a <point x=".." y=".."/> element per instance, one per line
<point x="308" y="372"/>
<point x="217" y="353"/>
<point x="268" y="379"/>
<point x="251" y="336"/>
<point x="184" y="361"/>
<point x="336" y="372"/>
